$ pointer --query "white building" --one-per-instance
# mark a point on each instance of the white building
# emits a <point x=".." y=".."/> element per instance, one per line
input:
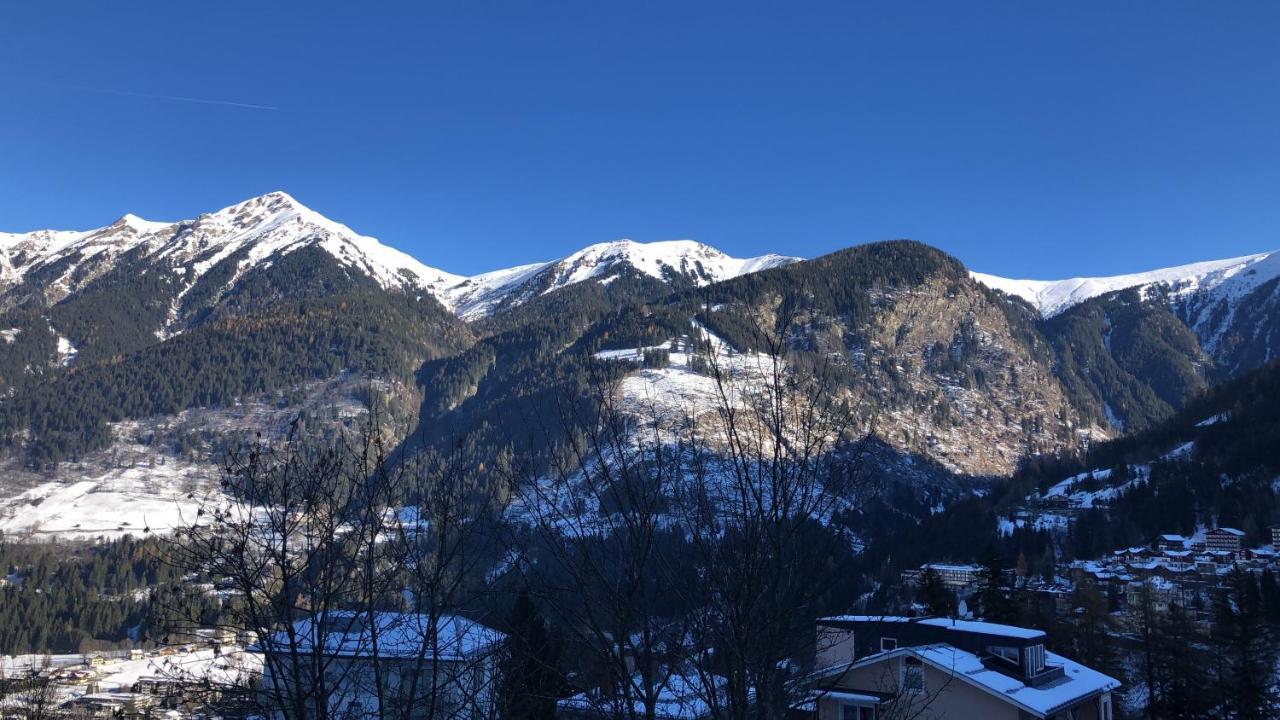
<point x="1224" y="539"/>
<point x="441" y="669"/>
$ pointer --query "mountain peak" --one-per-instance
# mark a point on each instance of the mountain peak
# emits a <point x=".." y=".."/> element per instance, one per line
<point x="138" y="225"/>
<point x="663" y="260"/>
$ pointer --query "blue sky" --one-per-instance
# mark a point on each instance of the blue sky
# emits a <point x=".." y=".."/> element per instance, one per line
<point x="1029" y="139"/>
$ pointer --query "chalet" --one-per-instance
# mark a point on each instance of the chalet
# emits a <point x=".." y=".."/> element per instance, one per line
<point x="450" y="659"/>
<point x="1171" y="542"/>
<point x="876" y="666"/>
<point x="1224" y="539"/>
<point x="1275" y="538"/>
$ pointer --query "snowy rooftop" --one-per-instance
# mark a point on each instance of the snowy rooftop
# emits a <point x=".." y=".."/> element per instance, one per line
<point x="866" y="618"/>
<point x="1078" y="682"/>
<point x="971" y="626"/>
<point x="985" y="628"/>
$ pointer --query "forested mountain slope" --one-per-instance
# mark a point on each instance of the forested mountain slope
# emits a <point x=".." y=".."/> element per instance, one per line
<point x="138" y="341"/>
<point x="938" y="364"/>
<point x="1135" y="347"/>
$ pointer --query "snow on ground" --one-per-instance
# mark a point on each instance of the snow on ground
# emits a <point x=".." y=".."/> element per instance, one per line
<point x="229" y="665"/>
<point x="1182" y="452"/>
<point x="1235" y="276"/>
<point x="225" y="666"/>
<point x="677" y="389"/>
<point x="266" y="227"/>
<point x="478" y="295"/>
<point x="1220" y="417"/>
<point x="1051" y="522"/>
<point x="1113" y="419"/>
<point x="1066" y="489"/>
<point x="111" y="502"/>
<point x="656" y="258"/>
<point x="66" y="351"/>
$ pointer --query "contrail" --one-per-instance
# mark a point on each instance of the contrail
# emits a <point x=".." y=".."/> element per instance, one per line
<point x="173" y="98"/>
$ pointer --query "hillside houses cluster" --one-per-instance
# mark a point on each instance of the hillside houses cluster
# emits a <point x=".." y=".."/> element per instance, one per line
<point x="1175" y="570"/>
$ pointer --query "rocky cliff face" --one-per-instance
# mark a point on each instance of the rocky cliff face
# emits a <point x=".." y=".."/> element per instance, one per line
<point x="940" y="366"/>
<point x="950" y="375"/>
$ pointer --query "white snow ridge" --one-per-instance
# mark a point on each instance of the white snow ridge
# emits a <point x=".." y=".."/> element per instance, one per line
<point x="1232" y="278"/>
<point x="479" y="295"/>
<point x="269" y="226"/>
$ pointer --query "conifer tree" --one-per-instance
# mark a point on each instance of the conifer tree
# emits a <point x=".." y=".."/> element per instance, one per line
<point x="1244" y="639"/>
<point x="993" y="591"/>
<point x="531" y="680"/>
<point x="934" y="594"/>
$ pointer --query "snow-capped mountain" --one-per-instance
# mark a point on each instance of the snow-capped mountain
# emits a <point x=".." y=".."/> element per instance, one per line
<point x="1232" y="305"/>
<point x="671" y="261"/>
<point x="262" y="228"/>
<point x="1230" y="278"/>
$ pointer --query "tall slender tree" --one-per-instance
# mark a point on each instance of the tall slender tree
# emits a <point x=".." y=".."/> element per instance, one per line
<point x="531" y="678"/>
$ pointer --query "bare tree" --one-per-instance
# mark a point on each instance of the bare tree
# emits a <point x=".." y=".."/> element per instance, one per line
<point x="347" y="584"/>
<point x="778" y="458"/>
<point x="30" y="695"/>
<point x="689" y="547"/>
<point x="602" y="556"/>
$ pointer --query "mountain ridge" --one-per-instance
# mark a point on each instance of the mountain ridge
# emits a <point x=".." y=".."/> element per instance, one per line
<point x="277" y="224"/>
<point x="73" y="299"/>
<point x="476" y="296"/>
<point x="1052" y="297"/>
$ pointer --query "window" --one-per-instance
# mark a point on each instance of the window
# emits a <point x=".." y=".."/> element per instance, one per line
<point x="912" y="675"/>
<point x="857" y="712"/>
<point x="1035" y="659"/>
<point x="887" y="643"/>
<point x="1004" y="652"/>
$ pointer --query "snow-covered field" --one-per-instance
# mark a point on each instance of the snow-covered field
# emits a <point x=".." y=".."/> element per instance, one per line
<point x="223" y="667"/>
<point x="133" y="486"/>
<point x="227" y="666"/>
<point x="678" y="390"/>
<point x="109" y="503"/>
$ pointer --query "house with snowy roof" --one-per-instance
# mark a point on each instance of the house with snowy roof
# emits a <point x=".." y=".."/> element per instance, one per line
<point x="888" y="666"/>
<point x="436" y="666"/>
